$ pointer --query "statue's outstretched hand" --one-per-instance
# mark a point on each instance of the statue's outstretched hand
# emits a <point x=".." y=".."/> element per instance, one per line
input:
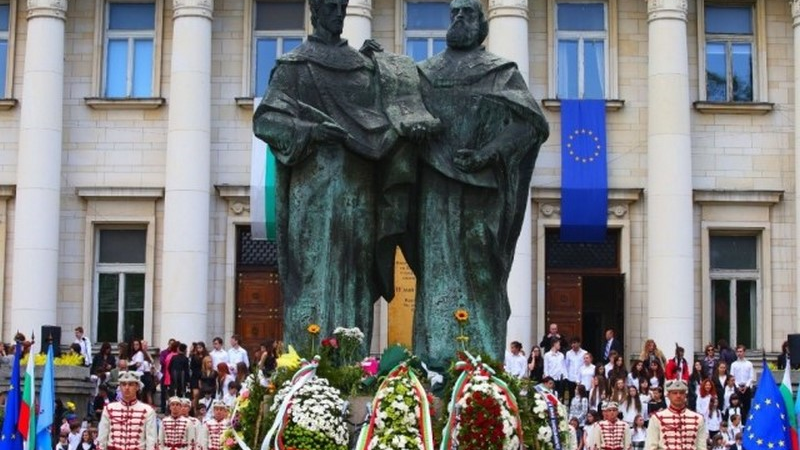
<point x="328" y="132"/>
<point x="370" y="46"/>
<point x="472" y="160"/>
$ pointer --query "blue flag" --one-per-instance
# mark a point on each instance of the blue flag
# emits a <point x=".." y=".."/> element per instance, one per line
<point x="768" y="422"/>
<point x="10" y="439"/>
<point x="47" y="407"/>
<point x="584" y="171"/>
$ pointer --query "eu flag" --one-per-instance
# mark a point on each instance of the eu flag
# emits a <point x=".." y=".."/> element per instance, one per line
<point x="584" y="172"/>
<point x="10" y="439"/>
<point x="768" y="423"/>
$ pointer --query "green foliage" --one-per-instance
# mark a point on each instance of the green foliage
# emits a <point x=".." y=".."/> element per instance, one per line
<point x="347" y="379"/>
<point x="307" y="439"/>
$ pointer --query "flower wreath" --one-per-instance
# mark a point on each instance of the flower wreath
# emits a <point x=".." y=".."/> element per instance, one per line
<point x="548" y="415"/>
<point x="483" y="412"/>
<point x="401" y="416"/>
<point x="308" y="414"/>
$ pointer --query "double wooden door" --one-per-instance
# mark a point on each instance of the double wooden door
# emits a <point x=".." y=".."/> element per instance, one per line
<point x="259" y="308"/>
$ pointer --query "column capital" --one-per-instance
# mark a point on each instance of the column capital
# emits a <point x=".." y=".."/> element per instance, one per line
<point x="360" y="8"/>
<point x="795" y="4"/>
<point x="667" y="9"/>
<point x="197" y="8"/>
<point x="47" y="8"/>
<point x="505" y="8"/>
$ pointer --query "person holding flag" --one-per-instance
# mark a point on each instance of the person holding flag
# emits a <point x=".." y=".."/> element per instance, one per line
<point x="767" y="426"/>
<point x="676" y="428"/>
<point x="10" y="439"/>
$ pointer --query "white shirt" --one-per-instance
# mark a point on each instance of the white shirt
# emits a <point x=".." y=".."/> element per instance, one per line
<point x="516" y="365"/>
<point x="218" y="356"/>
<point x="86" y="350"/>
<point x="554" y="365"/>
<point x="586" y="375"/>
<point x="742" y="371"/>
<point x="235" y="356"/>
<point x="573" y="362"/>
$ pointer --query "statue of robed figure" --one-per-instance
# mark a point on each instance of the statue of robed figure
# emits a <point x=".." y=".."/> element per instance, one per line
<point x="339" y="122"/>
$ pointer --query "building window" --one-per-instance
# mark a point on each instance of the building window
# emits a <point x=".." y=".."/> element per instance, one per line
<point x="278" y="29"/>
<point x="426" y="26"/>
<point x="120" y="284"/>
<point x="130" y="36"/>
<point x="5" y="20"/>
<point x="730" y="49"/>
<point x="735" y="280"/>
<point x="581" y="50"/>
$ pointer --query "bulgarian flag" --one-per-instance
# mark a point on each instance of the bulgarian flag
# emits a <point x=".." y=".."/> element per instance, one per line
<point x="262" y="188"/>
<point x="27" y="411"/>
<point x="786" y="393"/>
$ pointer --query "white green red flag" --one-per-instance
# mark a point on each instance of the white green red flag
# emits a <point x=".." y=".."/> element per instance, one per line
<point x="27" y="411"/>
<point x="786" y="393"/>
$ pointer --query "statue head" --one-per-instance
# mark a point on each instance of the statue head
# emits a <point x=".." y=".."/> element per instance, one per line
<point x="468" y="25"/>
<point x="328" y="15"/>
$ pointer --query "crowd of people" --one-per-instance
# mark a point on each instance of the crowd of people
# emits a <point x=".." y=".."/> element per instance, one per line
<point x="719" y="386"/>
<point x="197" y="388"/>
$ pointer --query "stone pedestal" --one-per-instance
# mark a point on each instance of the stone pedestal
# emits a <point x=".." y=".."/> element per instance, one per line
<point x="72" y="384"/>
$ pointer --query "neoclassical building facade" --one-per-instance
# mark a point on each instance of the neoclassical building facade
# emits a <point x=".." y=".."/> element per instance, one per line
<point x="125" y="152"/>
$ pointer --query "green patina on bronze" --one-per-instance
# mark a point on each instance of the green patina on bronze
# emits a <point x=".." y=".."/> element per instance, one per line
<point x="365" y="166"/>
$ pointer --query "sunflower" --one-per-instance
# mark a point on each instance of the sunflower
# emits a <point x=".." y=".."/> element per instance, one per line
<point x="461" y="315"/>
<point x="313" y="328"/>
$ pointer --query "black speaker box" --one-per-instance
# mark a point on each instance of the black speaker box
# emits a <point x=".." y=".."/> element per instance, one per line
<point x="51" y="332"/>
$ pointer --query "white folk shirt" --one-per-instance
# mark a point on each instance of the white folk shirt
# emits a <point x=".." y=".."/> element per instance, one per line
<point x="742" y="371"/>
<point x="574" y="362"/>
<point x="127" y="426"/>
<point x="554" y="365"/>
<point x="516" y="365"/>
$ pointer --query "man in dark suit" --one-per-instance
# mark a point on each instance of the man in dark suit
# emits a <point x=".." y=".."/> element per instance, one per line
<point x="547" y="340"/>
<point x="611" y="344"/>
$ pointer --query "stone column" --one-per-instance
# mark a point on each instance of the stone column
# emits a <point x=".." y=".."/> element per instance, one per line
<point x="508" y="37"/>
<point x="34" y="292"/>
<point x="670" y="263"/>
<point x="358" y="22"/>
<point x="795" y="5"/>
<point x="184" y="297"/>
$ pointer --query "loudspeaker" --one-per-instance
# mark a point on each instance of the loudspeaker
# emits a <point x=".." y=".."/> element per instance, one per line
<point x="794" y="348"/>
<point x="51" y="332"/>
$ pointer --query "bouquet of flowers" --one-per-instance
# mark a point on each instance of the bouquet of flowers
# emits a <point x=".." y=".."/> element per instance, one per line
<point x="308" y="414"/>
<point x="483" y="412"/>
<point x="548" y="415"/>
<point x="401" y="415"/>
<point x="349" y="341"/>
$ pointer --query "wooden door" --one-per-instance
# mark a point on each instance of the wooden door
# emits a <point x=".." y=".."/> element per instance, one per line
<point x="564" y="304"/>
<point x="259" y="308"/>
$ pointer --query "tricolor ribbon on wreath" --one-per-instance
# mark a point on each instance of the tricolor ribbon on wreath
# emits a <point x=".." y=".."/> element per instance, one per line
<point x="424" y="420"/>
<point x="306" y="373"/>
<point x="470" y="368"/>
<point x="551" y="401"/>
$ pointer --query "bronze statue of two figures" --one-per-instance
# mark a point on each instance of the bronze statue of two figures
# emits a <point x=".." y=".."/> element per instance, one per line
<point x="375" y="152"/>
